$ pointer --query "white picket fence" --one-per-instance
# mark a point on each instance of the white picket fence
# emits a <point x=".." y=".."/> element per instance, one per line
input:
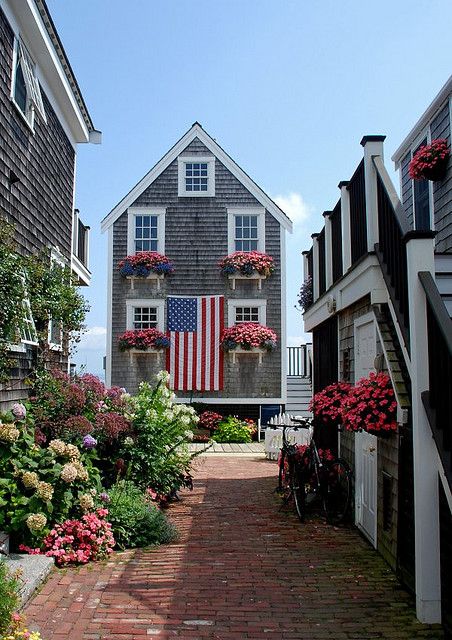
<point x="273" y="435"/>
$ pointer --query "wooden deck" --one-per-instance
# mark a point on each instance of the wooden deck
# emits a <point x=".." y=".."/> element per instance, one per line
<point x="251" y="449"/>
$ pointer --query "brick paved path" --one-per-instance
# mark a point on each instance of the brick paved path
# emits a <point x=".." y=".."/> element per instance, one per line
<point x="241" y="569"/>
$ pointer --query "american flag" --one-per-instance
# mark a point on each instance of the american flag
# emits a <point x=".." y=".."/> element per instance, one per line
<point x="194" y="359"/>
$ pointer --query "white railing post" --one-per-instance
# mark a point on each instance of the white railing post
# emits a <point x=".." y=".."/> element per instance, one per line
<point x="328" y="250"/>
<point x="373" y="146"/>
<point x="420" y="257"/>
<point x="345" y="227"/>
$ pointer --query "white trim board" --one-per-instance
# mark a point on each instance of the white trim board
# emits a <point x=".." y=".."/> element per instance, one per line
<point x="260" y="401"/>
<point x="196" y="131"/>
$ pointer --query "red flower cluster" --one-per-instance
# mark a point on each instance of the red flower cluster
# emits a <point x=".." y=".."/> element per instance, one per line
<point x="326" y="405"/>
<point x="209" y="420"/>
<point x="78" y="541"/>
<point x="246" y="262"/>
<point x="428" y="158"/>
<point x="248" y="335"/>
<point x="371" y="405"/>
<point x="143" y="339"/>
<point x="150" y="260"/>
<point x="111" y="425"/>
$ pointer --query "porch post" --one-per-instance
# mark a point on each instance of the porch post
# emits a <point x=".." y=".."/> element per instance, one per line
<point x="420" y="257"/>
<point x="373" y="146"/>
<point x="345" y="226"/>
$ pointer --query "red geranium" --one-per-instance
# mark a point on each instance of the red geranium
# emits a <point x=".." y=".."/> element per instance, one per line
<point x="248" y="335"/>
<point x="371" y="405"/>
<point x="326" y="405"/>
<point x="209" y="420"/>
<point x="428" y="159"/>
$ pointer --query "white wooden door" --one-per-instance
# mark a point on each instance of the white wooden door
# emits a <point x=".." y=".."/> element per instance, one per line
<point x="365" y="444"/>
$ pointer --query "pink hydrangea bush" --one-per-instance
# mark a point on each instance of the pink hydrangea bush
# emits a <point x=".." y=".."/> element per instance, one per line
<point x="246" y="262"/>
<point x="248" y="335"/>
<point x="143" y="339"/>
<point x="430" y="160"/>
<point x="78" y="541"/>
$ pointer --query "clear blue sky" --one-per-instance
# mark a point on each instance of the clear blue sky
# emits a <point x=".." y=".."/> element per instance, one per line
<point x="288" y="88"/>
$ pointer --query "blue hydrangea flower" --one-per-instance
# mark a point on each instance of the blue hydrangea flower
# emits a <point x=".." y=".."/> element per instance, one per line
<point x="89" y="442"/>
<point x="126" y="269"/>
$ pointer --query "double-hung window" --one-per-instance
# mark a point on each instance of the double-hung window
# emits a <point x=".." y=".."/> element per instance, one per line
<point x="246" y="229"/>
<point x="145" y="314"/>
<point x="25" y="89"/>
<point x="146" y="230"/>
<point x="251" y="310"/>
<point x="196" y="176"/>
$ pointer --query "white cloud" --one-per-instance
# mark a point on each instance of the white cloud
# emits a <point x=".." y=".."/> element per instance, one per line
<point x="296" y="341"/>
<point x="94" y="339"/>
<point x="295" y="207"/>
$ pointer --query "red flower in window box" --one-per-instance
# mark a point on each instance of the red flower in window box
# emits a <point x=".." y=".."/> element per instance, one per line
<point x="143" y="339"/>
<point x="248" y="336"/>
<point x="246" y="262"/>
<point x="143" y="263"/>
<point x="430" y="161"/>
<point x="326" y="405"/>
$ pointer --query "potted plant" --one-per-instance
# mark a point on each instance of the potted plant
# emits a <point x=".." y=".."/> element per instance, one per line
<point x="430" y="161"/>
<point x="326" y="405"/>
<point x="247" y="265"/>
<point x="144" y="340"/>
<point x="146" y="265"/>
<point x="371" y="406"/>
<point x="305" y="297"/>
<point x="248" y="337"/>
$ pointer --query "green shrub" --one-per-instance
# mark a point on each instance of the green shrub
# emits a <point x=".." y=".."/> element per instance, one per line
<point x="232" y="429"/>
<point x="9" y="596"/>
<point x="135" y="521"/>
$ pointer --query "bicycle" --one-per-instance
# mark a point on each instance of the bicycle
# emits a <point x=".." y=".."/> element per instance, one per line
<point x="307" y="474"/>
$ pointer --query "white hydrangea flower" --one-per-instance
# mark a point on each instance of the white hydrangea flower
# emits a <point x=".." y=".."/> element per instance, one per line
<point x="163" y="376"/>
<point x="189" y="435"/>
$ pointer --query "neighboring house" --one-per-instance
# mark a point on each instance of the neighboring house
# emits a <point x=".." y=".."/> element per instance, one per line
<point x="42" y="119"/>
<point x="382" y="276"/>
<point x="196" y="206"/>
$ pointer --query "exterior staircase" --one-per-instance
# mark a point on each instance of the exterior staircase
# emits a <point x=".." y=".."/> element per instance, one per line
<point x="443" y="278"/>
<point x="299" y="386"/>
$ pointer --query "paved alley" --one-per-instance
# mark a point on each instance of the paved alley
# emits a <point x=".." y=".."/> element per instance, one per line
<point x="242" y="568"/>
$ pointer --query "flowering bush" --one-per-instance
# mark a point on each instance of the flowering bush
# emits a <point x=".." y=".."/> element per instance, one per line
<point x="142" y="264"/>
<point x="371" y="405"/>
<point x="326" y="405"/>
<point x="246" y="262"/>
<point x="78" y="541"/>
<point x="248" y="335"/>
<point x="18" y="631"/>
<point x="9" y="596"/>
<point x="143" y="339"/>
<point x="430" y="161"/>
<point x="231" y="429"/>
<point x="209" y="420"/>
<point x="159" y="457"/>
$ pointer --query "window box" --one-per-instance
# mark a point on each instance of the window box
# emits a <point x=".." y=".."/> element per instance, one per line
<point x="143" y="342"/>
<point x="146" y="265"/>
<point x="260" y="351"/>
<point x="247" y="265"/>
<point x="248" y="337"/>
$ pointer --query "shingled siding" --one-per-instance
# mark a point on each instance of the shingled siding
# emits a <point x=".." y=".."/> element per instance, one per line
<point x="196" y="239"/>
<point x="442" y="190"/>
<point x="388" y="449"/>
<point x="40" y="205"/>
<point x="440" y="127"/>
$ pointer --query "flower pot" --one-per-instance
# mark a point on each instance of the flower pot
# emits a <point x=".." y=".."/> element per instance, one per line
<point x="437" y="172"/>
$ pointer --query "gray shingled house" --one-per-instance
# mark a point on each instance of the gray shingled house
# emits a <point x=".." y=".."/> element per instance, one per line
<point x="196" y="206"/>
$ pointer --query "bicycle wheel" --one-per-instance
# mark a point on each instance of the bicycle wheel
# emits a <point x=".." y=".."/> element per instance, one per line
<point x="281" y="471"/>
<point x="285" y="477"/>
<point x="299" y="492"/>
<point x="337" y="492"/>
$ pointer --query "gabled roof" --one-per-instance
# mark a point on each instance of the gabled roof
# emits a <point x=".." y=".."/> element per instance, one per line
<point x="196" y="131"/>
<point x="423" y="121"/>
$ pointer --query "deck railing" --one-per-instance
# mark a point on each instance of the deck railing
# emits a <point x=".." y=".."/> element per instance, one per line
<point x="299" y="361"/>
<point x="358" y="223"/>
<point x="322" y="263"/>
<point x="438" y="399"/>
<point x="336" y="242"/>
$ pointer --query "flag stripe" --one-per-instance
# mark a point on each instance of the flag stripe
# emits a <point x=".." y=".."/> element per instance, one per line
<point x="212" y="343"/>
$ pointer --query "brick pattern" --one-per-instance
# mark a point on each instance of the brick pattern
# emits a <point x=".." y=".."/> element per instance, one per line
<point x="196" y="239"/>
<point x="242" y="568"/>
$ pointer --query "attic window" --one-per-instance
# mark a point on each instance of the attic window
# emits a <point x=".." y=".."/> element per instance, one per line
<point x="196" y="176"/>
<point x="26" y="91"/>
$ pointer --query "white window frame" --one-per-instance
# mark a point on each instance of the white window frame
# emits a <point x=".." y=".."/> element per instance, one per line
<point x="158" y="303"/>
<point x="34" y="97"/>
<point x="246" y="211"/>
<point x="181" y="162"/>
<point x="146" y="211"/>
<point x="56" y="257"/>
<point x="28" y="319"/>
<point x="260" y="303"/>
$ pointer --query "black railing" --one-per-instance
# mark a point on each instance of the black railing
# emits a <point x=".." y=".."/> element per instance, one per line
<point x="299" y="361"/>
<point x="438" y="399"/>
<point x="322" y="264"/>
<point x="358" y="225"/>
<point x="336" y="241"/>
<point x="82" y="235"/>
<point x="391" y="253"/>
<point x="310" y="264"/>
